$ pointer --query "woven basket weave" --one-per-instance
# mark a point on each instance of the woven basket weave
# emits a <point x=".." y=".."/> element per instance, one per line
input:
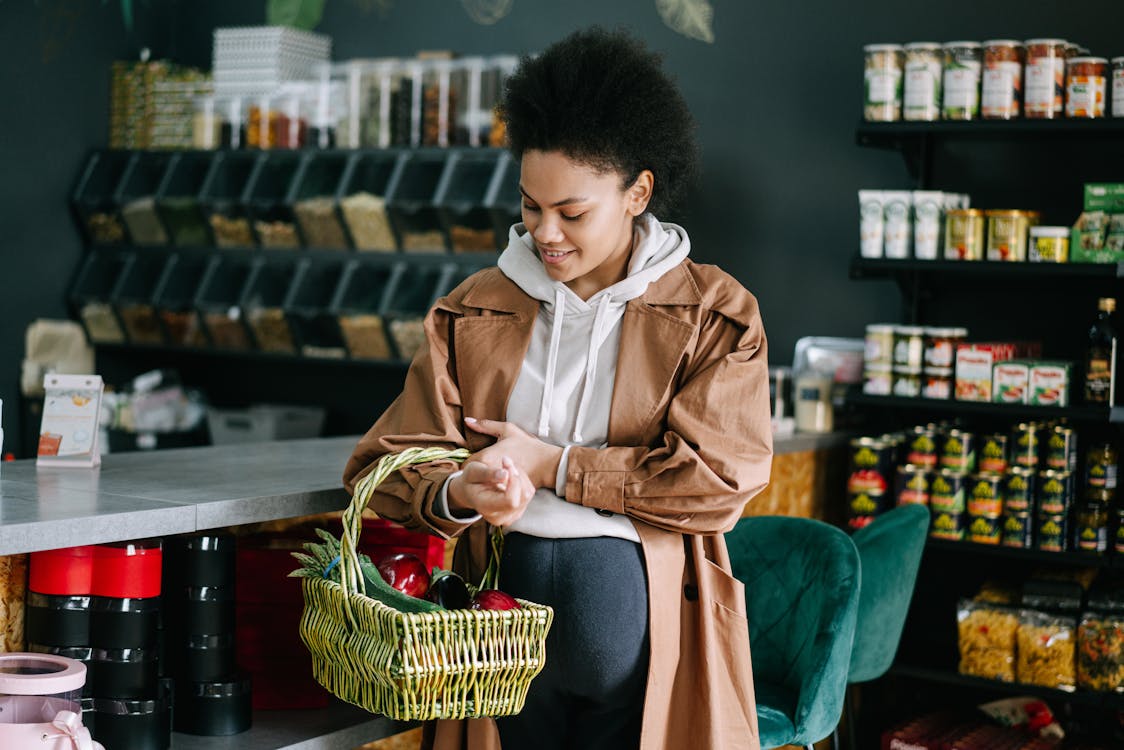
<point x="450" y="664"/>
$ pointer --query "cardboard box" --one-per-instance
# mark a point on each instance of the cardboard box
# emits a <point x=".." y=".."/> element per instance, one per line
<point x="1104" y="196"/>
<point x="974" y="363"/>
<point x="1010" y="382"/>
<point x="1049" y="383"/>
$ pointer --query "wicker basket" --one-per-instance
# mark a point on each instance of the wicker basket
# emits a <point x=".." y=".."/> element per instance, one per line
<point x="450" y="664"/>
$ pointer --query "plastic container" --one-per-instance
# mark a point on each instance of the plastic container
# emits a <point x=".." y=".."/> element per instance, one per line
<point x="129" y="674"/>
<point x="460" y="200"/>
<point x="882" y="79"/>
<point x="214" y="708"/>
<point x="135" y="724"/>
<point x="64" y="572"/>
<point x="264" y="423"/>
<point x="358" y="309"/>
<point x="362" y="199"/>
<point x="443" y="85"/>
<point x="369" y="85"/>
<point x="206" y="124"/>
<point x="312" y="194"/>
<point x="1002" y="87"/>
<point x="276" y="121"/>
<point x="963" y="62"/>
<point x="94" y="198"/>
<point x="208" y="658"/>
<point x="1118" y="87"/>
<point x="58" y="621"/>
<point x="327" y="107"/>
<point x="175" y="303"/>
<point x="504" y="201"/>
<point x="218" y="304"/>
<point x="309" y="309"/>
<point x="406" y="109"/>
<point x="232" y="125"/>
<point x="127" y="569"/>
<point x="410" y="201"/>
<point x="124" y="623"/>
<point x="81" y="654"/>
<point x="34" y="688"/>
<point x="136" y="195"/>
<point x="265" y="196"/>
<point x="500" y="69"/>
<point x="93" y="294"/>
<point x="1045" y="78"/>
<point x="177" y="199"/>
<point x="924" y="72"/>
<point x="413" y="292"/>
<point x="472" y="118"/>
<point x="263" y="304"/>
<point x="221" y="198"/>
<point x="1086" y="87"/>
<point x="136" y="296"/>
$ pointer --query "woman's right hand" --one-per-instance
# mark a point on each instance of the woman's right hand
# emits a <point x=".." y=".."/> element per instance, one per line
<point x="498" y="493"/>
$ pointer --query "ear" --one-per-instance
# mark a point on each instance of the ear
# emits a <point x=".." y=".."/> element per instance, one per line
<point x="639" y="193"/>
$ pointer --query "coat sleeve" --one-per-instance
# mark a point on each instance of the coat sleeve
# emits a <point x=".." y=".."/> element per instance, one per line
<point x="717" y="444"/>
<point x="426" y="414"/>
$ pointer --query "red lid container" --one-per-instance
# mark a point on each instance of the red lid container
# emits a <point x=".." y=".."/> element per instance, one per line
<point x="127" y="570"/>
<point x="62" y="572"/>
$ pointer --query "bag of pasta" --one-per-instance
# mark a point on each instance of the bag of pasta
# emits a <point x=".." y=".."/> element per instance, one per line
<point x="1100" y="652"/>
<point x="1047" y="650"/>
<point x="987" y="640"/>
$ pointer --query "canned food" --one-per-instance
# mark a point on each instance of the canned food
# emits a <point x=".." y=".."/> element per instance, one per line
<point x="1007" y="234"/>
<point x="1018" y="530"/>
<point x="940" y="347"/>
<point x="1090" y="531"/>
<point x="946" y="491"/>
<point x="1018" y="490"/>
<point x="1052" y="533"/>
<point x="1001" y="90"/>
<point x="894" y="442"/>
<point x="924" y="67"/>
<point x="871" y="463"/>
<point x="1045" y="78"/>
<point x="911" y="485"/>
<point x="1085" y="87"/>
<point x="1118" y="87"/>
<point x="878" y="350"/>
<point x="1100" y="466"/>
<point x="1024" y="445"/>
<point x="854" y="523"/>
<point x="909" y="348"/>
<point x="984" y="529"/>
<point x="937" y="383"/>
<point x="1055" y="492"/>
<point x="993" y="453"/>
<point x="985" y="495"/>
<point x="964" y="234"/>
<point x="1049" y="244"/>
<point x="878" y="381"/>
<point x="958" y="451"/>
<point x="1061" y="449"/>
<point x="962" y="65"/>
<point x="921" y="448"/>
<point x="907" y="384"/>
<point x="947" y="525"/>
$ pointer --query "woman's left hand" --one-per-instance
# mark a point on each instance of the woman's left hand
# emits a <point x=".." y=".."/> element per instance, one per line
<point x="538" y="460"/>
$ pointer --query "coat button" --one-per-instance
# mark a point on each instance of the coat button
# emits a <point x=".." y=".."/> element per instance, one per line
<point x="604" y="513"/>
<point x="691" y="591"/>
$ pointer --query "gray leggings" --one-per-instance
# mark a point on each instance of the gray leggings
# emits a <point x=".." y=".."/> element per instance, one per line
<point x="590" y="694"/>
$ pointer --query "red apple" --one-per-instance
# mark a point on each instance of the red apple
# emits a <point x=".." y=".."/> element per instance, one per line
<point x="406" y="573"/>
<point x="493" y="599"/>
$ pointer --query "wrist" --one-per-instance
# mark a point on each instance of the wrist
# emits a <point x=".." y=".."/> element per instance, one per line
<point x="549" y="471"/>
<point x="454" y="497"/>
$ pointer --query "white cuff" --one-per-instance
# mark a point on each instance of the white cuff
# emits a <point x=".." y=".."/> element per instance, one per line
<point x="441" y="503"/>
<point x="560" y="477"/>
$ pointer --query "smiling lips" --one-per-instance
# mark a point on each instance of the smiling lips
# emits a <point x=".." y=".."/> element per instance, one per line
<point x="554" y="256"/>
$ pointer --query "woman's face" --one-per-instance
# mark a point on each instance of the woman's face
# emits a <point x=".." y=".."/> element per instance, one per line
<point x="580" y="219"/>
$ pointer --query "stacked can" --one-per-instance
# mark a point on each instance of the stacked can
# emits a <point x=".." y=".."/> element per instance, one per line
<point x="868" y="483"/>
<point x="212" y="697"/>
<point x="949" y="491"/>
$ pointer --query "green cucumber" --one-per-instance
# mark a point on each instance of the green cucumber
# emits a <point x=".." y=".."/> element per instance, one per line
<point x="376" y="588"/>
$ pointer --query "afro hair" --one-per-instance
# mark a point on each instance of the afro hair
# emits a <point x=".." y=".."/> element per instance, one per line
<point x="602" y="99"/>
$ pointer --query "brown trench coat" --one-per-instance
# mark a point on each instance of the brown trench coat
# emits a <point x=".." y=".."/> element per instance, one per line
<point x="689" y="444"/>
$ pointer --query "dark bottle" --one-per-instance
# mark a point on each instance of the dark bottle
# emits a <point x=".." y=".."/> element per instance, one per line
<point x="1100" y="358"/>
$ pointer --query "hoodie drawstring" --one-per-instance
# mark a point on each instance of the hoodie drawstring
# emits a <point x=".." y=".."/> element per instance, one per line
<point x="591" y="364"/>
<point x="551" y="363"/>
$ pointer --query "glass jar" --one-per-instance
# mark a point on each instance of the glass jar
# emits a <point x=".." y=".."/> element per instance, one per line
<point x="232" y="122"/>
<point x="406" y="105"/>
<point x="1002" y="79"/>
<point x="962" y="66"/>
<point x="1118" y="87"/>
<point x="1085" y="87"/>
<point x="327" y="107"/>
<point x="1007" y="234"/>
<point x="882" y="78"/>
<point x="1045" y="78"/>
<point x="473" y="117"/>
<point x="439" y="97"/>
<point x="500" y="69"/>
<point x="924" y="66"/>
<point x="206" y="125"/>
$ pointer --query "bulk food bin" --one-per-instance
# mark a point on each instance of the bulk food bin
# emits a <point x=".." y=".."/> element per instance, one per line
<point x="263" y="304"/>
<point x="175" y="303"/>
<point x="309" y="309"/>
<point x="366" y="118"/>
<point x="136" y="195"/>
<point x="312" y="195"/>
<point x="415" y="289"/>
<point x="362" y="199"/>
<point x="177" y="199"/>
<point x="460" y="200"/>
<point x="504" y="201"/>
<point x="409" y="201"/>
<point x="94" y="198"/>
<point x="136" y="297"/>
<point x="221" y="198"/>
<point x="219" y="303"/>
<point x="359" y="310"/>
<point x="406" y="104"/>
<point x="93" y="293"/>
<point x="270" y="215"/>
<point x="36" y="691"/>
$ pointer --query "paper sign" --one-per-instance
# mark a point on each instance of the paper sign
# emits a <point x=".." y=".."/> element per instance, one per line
<point x="68" y="435"/>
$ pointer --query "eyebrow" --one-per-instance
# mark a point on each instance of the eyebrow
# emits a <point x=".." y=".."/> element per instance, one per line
<point x="564" y="202"/>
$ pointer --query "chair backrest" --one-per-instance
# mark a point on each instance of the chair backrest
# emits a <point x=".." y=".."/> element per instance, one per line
<point x="802" y="592"/>
<point x="890" y="550"/>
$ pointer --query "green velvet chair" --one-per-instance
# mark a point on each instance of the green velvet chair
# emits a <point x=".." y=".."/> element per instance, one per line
<point x="890" y="554"/>
<point x="802" y="592"/>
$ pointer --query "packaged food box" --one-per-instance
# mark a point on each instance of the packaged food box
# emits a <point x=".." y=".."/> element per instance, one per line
<point x="1104" y="196"/>
<point x="974" y="364"/>
<point x="1049" y="383"/>
<point x="1010" y="382"/>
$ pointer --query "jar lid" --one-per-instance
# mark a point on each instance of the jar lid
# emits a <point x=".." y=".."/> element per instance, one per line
<point x="969" y="45"/>
<point x="1057" y="232"/>
<point x="922" y="46"/>
<point x="964" y="212"/>
<point x="40" y="674"/>
<point x="1003" y="43"/>
<point x="909" y="330"/>
<point x="946" y="331"/>
<point x="882" y="48"/>
<point x="1118" y="61"/>
<point x="880" y="328"/>
<point x="1081" y="60"/>
<point x="1061" y="42"/>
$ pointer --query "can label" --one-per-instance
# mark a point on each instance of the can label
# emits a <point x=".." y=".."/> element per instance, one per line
<point x="946" y="492"/>
<point x="1100" y="475"/>
<point x="983" y="529"/>
<point x="923" y="449"/>
<point x="1002" y="82"/>
<point x="1045" y="85"/>
<point x="1024" y="446"/>
<point x="947" y="525"/>
<point x="1061" y="450"/>
<point x="912" y="486"/>
<point x="993" y="454"/>
<point x="1018" y="492"/>
<point x="1018" y="530"/>
<point x="1118" y="92"/>
<point x="959" y="451"/>
<point x="1051" y="533"/>
<point x="1092" y="538"/>
<point x="1055" y="492"/>
<point x="984" y="497"/>
<point x="1085" y="96"/>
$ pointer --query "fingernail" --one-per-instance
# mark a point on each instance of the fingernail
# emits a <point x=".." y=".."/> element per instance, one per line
<point x="470" y="419"/>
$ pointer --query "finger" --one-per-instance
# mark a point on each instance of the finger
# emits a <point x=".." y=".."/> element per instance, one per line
<point x="477" y="472"/>
<point x="486" y="426"/>
<point x="514" y="493"/>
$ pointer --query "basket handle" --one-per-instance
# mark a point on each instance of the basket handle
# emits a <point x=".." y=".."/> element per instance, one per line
<point x="351" y="578"/>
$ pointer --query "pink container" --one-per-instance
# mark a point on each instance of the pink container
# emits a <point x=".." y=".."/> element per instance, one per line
<point x="40" y="703"/>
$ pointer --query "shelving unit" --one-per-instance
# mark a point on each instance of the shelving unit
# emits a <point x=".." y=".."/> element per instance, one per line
<point x="1086" y="413"/>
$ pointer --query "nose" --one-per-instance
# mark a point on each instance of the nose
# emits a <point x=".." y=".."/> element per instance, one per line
<point x="547" y="231"/>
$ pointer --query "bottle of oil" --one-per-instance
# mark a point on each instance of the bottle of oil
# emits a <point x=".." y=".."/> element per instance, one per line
<point x="1100" y="357"/>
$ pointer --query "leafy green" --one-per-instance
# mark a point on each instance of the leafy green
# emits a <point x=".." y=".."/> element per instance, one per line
<point x="299" y="14"/>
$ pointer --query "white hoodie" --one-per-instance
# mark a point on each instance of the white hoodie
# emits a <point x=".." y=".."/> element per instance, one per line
<point x="565" y="388"/>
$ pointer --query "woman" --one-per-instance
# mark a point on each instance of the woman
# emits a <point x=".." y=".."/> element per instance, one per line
<point x="615" y="397"/>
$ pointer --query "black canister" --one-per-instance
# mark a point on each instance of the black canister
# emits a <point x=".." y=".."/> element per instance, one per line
<point x="128" y="674"/>
<point x="89" y="715"/>
<point x="57" y="620"/>
<point x="200" y="560"/>
<point x="209" y="610"/>
<point x="209" y="658"/>
<point x="83" y="654"/>
<point x="214" y="708"/>
<point x="135" y="724"/>
<point x="124" y="623"/>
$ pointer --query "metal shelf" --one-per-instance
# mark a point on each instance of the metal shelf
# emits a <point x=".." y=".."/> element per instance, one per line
<point x="893" y="134"/>
<point x="882" y="268"/>
<point x="951" y="677"/>
<point x="1076" y="559"/>
<point x="1077" y="413"/>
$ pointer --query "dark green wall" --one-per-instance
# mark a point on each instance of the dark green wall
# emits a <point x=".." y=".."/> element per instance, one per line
<point x="776" y="98"/>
